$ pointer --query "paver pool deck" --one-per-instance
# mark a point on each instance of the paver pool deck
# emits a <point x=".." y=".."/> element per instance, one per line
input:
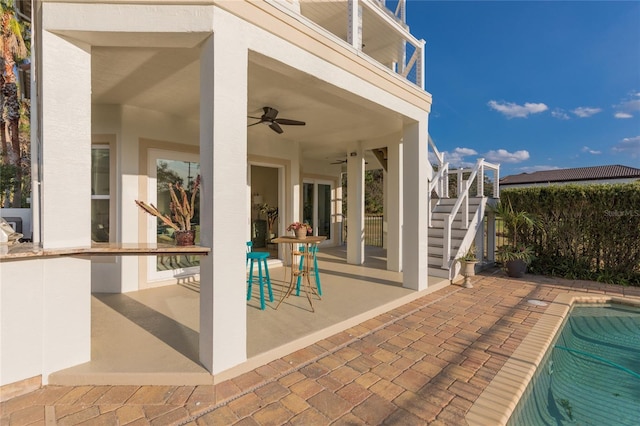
<point x="425" y="362"/>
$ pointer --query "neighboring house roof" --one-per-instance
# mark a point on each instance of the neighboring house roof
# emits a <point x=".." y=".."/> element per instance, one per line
<point x="569" y="175"/>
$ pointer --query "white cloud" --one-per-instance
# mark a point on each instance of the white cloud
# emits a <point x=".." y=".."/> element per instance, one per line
<point x="531" y="169"/>
<point x="629" y="146"/>
<point x="504" y="156"/>
<point x="456" y="157"/>
<point x="590" y="151"/>
<point x="584" y="112"/>
<point x="512" y="110"/>
<point x="628" y="106"/>
<point x="465" y="151"/>
<point x="560" y="114"/>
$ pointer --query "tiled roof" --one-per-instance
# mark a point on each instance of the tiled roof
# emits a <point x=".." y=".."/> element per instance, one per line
<point x="581" y="173"/>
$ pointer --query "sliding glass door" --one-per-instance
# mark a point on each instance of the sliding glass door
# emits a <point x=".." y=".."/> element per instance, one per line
<point x="318" y="209"/>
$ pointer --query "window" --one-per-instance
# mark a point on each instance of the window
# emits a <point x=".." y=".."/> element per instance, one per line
<point x="165" y="167"/>
<point x="100" y="192"/>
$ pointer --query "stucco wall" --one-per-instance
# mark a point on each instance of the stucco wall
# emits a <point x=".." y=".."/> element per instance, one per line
<point x="45" y="317"/>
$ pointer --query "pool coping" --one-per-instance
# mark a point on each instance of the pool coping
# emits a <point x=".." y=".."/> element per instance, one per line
<point x="497" y="402"/>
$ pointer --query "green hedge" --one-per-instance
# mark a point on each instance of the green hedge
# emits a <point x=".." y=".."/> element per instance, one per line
<point x="587" y="232"/>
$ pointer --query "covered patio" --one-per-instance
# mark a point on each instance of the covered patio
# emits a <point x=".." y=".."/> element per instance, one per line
<point x="151" y="336"/>
<point x="186" y="94"/>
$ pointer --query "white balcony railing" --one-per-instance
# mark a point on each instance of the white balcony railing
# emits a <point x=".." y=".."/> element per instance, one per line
<point x="371" y="28"/>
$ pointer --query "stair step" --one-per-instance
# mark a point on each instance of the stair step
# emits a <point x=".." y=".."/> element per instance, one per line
<point x="434" y="259"/>
<point x="447" y="209"/>
<point x="453" y="201"/>
<point x="456" y="218"/>
<point x="437" y="271"/>
<point x="457" y="234"/>
<point x="439" y="223"/>
<point x="439" y="245"/>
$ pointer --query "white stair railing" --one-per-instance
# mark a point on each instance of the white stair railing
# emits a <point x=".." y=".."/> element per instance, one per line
<point x="440" y="181"/>
<point x="477" y="173"/>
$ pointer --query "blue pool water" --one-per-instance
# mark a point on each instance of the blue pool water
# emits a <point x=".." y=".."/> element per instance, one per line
<point x="591" y="374"/>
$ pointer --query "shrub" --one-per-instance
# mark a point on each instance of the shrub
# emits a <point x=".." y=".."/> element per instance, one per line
<point x="586" y="231"/>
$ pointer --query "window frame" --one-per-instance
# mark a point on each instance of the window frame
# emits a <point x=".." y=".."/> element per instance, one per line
<point x="107" y="142"/>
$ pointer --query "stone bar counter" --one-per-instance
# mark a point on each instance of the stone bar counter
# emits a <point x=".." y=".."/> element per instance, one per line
<point x="29" y="250"/>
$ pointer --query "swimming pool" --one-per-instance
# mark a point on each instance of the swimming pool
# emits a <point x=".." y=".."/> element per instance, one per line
<point x="591" y="372"/>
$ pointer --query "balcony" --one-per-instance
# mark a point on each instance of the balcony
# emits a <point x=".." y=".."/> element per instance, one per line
<point x="373" y="30"/>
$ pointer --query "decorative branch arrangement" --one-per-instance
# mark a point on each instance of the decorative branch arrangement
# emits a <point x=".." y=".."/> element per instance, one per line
<point x="182" y="207"/>
<point x="271" y="213"/>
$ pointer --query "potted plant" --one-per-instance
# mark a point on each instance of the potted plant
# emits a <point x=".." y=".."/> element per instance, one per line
<point x="468" y="262"/>
<point x="299" y="229"/>
<point x="515" y="256"/>
<point x="182" y="209"/>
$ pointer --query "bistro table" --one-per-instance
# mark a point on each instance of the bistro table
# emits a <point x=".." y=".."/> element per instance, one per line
<point x="307" y="255"/>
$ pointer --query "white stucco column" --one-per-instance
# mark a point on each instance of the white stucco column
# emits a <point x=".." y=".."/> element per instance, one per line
<point x="66" y="143"/>
<point x="415" y="202"/>
<point x="223" y="217"/>
<point x="355" y="207"/>
<point x="65" y="92"/>
<point x="393" y="212"/>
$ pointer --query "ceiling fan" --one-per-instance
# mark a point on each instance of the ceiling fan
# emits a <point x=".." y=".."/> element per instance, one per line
<point x="269" y="117"/>
<point x="344" y="162"/>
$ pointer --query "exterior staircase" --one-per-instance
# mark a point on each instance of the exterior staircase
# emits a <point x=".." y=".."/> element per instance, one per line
<point x="439" y="264"/>
<point x="459" y="220"/>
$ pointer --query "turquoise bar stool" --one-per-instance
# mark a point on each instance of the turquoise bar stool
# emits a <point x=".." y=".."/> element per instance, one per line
<point x="261" y="258"/>
<point x="313" y="249"/>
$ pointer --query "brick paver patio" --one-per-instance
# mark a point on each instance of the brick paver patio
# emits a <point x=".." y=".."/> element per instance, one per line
<point x="423" y="363"/>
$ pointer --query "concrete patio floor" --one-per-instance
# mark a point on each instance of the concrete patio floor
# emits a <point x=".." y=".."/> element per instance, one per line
<point x="424" y="362"/>
<point x="150" y="337"/>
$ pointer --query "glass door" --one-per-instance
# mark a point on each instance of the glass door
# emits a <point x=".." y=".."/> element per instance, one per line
<point x="266" y="203"/>
<point x="168" y="167"/>
<point x="317" y="207"/>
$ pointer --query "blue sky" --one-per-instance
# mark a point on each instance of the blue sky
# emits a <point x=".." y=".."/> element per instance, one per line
<point x="532" y="85"/>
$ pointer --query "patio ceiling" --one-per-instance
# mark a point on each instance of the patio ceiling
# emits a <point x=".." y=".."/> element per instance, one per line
<point x="167" y="80"/>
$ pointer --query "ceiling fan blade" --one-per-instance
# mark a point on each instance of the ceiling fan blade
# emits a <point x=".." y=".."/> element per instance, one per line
<point x="276" y="127"/>
<point x="344" y="161"/>
<point x="288" y="122"/>
<point x="269" y="114"/>
<point x="255" y="118"/>
<point x="253" y="124"/>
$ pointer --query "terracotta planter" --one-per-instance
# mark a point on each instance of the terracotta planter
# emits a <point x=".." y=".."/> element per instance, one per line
<point x="185" y="238"/>
<point x="516" y="268"/>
